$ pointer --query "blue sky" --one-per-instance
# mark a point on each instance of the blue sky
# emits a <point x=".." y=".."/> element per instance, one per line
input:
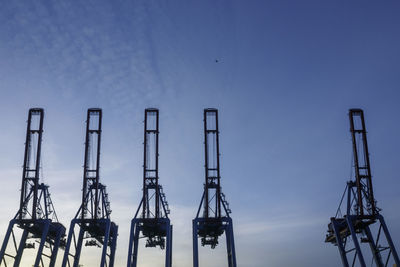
<point x="287" y="73"/>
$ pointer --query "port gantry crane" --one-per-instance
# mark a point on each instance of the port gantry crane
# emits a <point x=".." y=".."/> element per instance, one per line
<point x="36" y="215"/>
<point x="153" y="221"/>
<point x="93" y="216"/>
<point x="356" y="226"/>
<point x="213" y="222"/>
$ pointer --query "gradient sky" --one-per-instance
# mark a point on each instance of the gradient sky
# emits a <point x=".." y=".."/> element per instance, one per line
<point x="287" y="73"/>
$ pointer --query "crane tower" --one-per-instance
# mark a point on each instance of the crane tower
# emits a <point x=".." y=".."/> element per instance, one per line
<point x="151" y="218"/>
<point x="36" y="216"/>
<point x="360" y="223"/>
<point x="215" y="219"/>
<point x="93" y="216"/>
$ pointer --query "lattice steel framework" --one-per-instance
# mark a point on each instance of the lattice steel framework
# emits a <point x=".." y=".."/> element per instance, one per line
<point x="215" y="219"/>
<point x="36" y="215"/>
<point x="362" y="222"/>
<point x="151" y="218"/>
<point x="93" y="216"/>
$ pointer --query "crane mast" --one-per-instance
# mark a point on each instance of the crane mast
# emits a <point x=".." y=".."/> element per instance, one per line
<point x="36" y="215"/>
<point x="151" y="219"/>
<point x="215" y="219"/>
<point x="93" y="216"/>
<point x="353" y="227"/>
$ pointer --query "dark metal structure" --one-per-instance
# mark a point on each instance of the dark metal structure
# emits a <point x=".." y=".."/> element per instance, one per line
<point x="36" y="216"/>
<point x="151" y="218"/>
<point x="93" y="216"/>
<point x="356" y="226"/>
<point x="215" y="219"/>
